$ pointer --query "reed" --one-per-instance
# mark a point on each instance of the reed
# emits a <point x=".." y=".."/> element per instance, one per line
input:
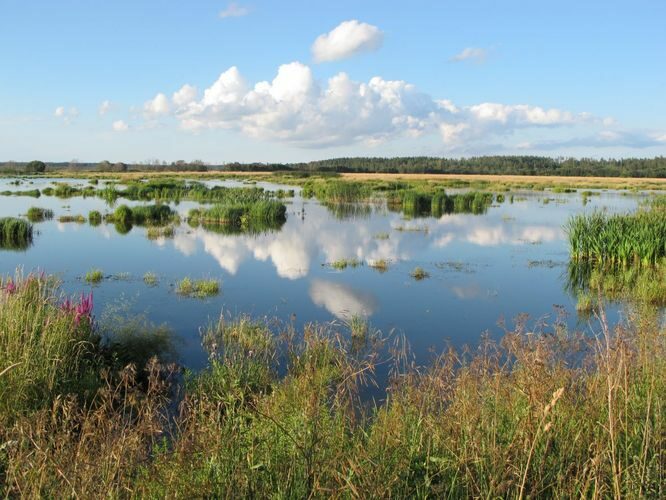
<point x="94" y="218"/>
<point x="15" y="234"/>
<point x="94" y="276"/>
<point x="341" y="264"/>
<point x="37" y="214"/>
<point x="156" y="232"/>
<point x="618" y="239"/>
<point x="259" y="215"/>
<point x="79" y="219"/>
<point x="419" y="274"/>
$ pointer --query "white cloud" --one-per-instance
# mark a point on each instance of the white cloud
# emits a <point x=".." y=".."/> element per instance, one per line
<point x="347" y="39"/>
<point x="471" y="54"/>
<point x="120" y="126"/>
<point x="158" y="105"/>
<point x="296" y="109"/>
<point x="234" y="10"/>
<point x="341" y="300"/>
<point x="67" y="115"/>
<point x="104" y="108"/>
<point x="185" y="95"/>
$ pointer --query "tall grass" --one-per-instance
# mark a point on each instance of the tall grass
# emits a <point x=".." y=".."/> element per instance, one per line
<point x="257" y="215"/>
<point x="618" y="239"/>
<point x="542" y="413"/>
<point x="37" y="214"/>
<point x="15" y="234"/>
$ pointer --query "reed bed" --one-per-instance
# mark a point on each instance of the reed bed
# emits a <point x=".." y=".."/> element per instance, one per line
<point x="283" y="415"/>
<point x="618" y="239"/>
<point x="198" y="288"/>
<point x="15" y="234"/>
<point x="37" y="214"/>
<point x="143" y="214"/>
<point x="259" y="214"/>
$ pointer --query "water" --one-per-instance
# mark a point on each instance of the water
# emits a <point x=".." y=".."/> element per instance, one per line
<point x="509" y="261"/>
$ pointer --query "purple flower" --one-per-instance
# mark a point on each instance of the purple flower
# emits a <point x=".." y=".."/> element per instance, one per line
<point x="10" y="287"/>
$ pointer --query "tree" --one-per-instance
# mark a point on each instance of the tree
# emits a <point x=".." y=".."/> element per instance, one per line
<point x="35" y="167"/>
<point x="104" y="166"/>
<point x="119" y="167"/>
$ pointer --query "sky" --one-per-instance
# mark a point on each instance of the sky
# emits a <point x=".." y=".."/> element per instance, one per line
<point x="289" y="81"/>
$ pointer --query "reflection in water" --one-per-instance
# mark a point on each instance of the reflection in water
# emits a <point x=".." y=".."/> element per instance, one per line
<point x="341" y="300"/>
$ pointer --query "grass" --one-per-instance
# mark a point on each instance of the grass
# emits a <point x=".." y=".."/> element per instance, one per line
<point x="382" y="236"/>
<point x="94" y="218"/>
<point x="251" y="216"/>
<point x="419" y="274"/>
<point x="155" y="232"/>
<point x="37" y="214"/>
<point x="381" y="265"/>
<point x="94" y="276"/>
<point x="142" y="214"/>
<point x="15" y="234"/>
<point x="79" y="219"/>
<point x="198" y="288"/>
<point x="341" y="264"/>
<point x="544" y="413"/>
<point x="151" y="279"/>
<point x="618" y="239"/>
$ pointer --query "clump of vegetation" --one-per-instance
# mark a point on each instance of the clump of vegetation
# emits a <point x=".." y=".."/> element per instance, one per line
<point x="155" y="232"/>
<point x="37" y="214"/>
<point x="341" y="264"/>
<point x="382" y="236"/>
<point x="380" y="265"/>
<point x="618" y="239"/>
<point x="94" y="276"/>
<point x="538" y="414"/>
<point x="334" y="191"/>
<point x="143" y="214"/>
<point x="419" y="274"/>
<point x="198" y="288"/>
<point x="256" y="216"/>
<point x="34" y="193"/>
<point x="150" y="279"/>
<point x="79" y="219"/>
<point x="425" y="203"/>
<point x="15" y="234"/>
<point x="94" y="218"/>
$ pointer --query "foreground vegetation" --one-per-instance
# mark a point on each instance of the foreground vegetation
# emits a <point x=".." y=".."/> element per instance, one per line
<point x="15" y="234"/>
<point x="284" y="415"/>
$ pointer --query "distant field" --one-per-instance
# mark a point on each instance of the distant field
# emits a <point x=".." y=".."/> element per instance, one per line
<point x="527" y="181"/>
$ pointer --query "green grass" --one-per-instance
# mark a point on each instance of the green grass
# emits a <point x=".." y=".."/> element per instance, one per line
<point x="94" y="218"/>
<point x="281" y="413"/>
<point x="155" y="232"/>
<point x="381" y="265"/>
<point x="151" y="279"/>
<point x="79" y="219"/>
<point x="419" y="274"/>
<point x="15" y="234"/>
<point x="341" y="264"/>
<point x="37" y="214"/>
<point x="618" y="239"/>
<point x="198" y="288"/>
<point x="94" y="276"/>
<point x="256" y="216"/>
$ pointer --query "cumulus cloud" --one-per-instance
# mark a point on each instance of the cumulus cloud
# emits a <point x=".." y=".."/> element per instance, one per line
<point x="158" y="105"/>
<point x="120" y="126"/>
<point x="341" y="300"/>
<point x="185" y="95"/>
<point x="104" y="108"/>
<point x="59" y="112"/>
<point x="296" y="109"/>
<point x="234" y="10"/>
<point x="475" y="54"/>
<point x="346" y="40"/>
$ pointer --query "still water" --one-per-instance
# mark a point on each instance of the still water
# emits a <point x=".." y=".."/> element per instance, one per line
<point x="482" y="268"/>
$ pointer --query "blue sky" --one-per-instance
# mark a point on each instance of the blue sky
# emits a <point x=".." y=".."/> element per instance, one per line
<point x="322" y="79"/>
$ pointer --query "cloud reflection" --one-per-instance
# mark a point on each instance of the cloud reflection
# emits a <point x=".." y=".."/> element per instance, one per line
<point x="341" y="300"/>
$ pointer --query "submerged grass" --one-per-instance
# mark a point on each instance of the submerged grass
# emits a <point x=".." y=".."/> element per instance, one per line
<point x="94" y="276"/>
<point x="281" y="414"/>
<point x="79" y="219"/>
<point x="198" y="288"/>
<point x="419" y="274"/>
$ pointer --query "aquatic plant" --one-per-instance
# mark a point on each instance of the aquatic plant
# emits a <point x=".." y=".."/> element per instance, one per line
<point x="37" y="214"/>
<point x="94" y="276"/>
<point x="380" y="265"/>
<point x="94" y="218"/>
<point x="618" y="239"/>
<point x="15" y="234"/>
<point x="264" y="214"/>
<point x="150" y="278"/>
<point x="142" y="214"/>
<point x="341" y="264"/>
<point x="155" y="232"/>
<point x="419" y="274"/>
<point x="198" y="288"/>
<point x="79" y="219"/>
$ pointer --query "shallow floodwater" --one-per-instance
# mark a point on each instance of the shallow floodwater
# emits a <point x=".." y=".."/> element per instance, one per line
<point x="482" y="268"/>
